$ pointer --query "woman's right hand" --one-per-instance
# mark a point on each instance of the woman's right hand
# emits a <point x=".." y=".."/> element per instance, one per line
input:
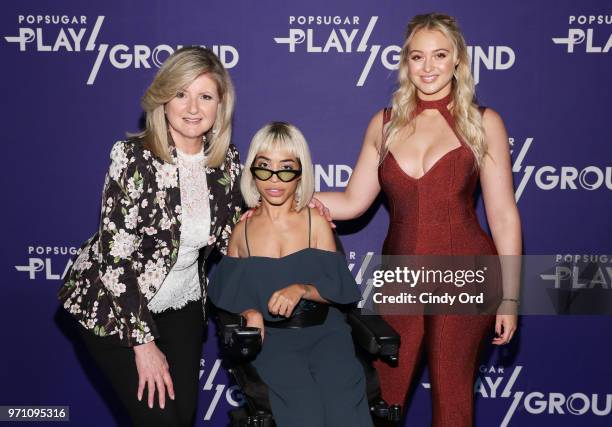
<point x="153" y="372"/>
<point x="247" y="214"/>
<point x="254" y="319"/>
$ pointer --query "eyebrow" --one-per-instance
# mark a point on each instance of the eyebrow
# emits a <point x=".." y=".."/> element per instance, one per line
<point x="436" y="50"/>
<point x="207" y="92"/>
<point x="282" y="161"/>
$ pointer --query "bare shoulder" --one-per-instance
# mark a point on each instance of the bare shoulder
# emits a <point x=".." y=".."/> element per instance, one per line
<point x="236" y="243"/>
<point x="375" y="129"/>
<point x="322" y="231"/>
<point x="377" y="118"/>
<point x="491" y="120"/>
<point x="318" y="220"/>
<point x="376" y="122"/>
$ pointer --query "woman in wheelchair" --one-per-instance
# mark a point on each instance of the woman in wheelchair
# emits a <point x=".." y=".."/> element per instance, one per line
<point x="283" y="274"/>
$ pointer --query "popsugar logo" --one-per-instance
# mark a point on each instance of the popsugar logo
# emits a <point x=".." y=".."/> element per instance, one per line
<point x="581" y="272"/>
<point x="497" y="382"/>
<point x="352" y="34"/>
<point x="63" y="33"/>
<point x="47" y="262"/>
<point x="557" y="177"/>
<point x="588" y="33"/>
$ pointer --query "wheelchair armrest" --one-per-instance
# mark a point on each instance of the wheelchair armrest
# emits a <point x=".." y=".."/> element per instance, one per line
<point x="242" y="343"/>
<point x="373" y="334"/>
<point x="225" y="318"/>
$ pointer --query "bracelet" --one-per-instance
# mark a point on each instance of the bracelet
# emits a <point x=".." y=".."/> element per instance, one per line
<point x="512" y="300"/>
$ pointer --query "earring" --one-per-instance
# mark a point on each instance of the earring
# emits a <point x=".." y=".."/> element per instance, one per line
<point x="214" y="131"/>
<point x="297" y="199"/>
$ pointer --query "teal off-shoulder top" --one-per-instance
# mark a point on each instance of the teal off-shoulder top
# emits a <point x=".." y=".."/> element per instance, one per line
<point x="239" y="284"/>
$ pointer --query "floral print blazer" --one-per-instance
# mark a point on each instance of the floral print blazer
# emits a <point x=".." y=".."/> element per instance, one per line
<point x="123" y="265"/>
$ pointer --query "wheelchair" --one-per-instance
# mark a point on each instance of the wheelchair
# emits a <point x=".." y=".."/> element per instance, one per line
<point x="373" y="339"/>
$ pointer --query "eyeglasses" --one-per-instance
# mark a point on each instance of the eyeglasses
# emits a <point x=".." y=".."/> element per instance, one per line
<point x="285" y="175"/>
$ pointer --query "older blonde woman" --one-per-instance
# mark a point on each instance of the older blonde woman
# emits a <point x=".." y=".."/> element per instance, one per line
<point x="171" y="197"/>
<point x="284" y="275"/>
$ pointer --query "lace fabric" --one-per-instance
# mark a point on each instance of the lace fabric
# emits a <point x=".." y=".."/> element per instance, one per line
<point x="182" y="284"/>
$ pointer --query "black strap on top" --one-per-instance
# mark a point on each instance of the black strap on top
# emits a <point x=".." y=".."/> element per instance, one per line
<point x="309" y="225"/>
<point x="246" y="237"/>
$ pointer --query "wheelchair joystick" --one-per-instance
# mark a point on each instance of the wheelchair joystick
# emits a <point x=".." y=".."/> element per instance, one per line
<point x="242" y="342"/>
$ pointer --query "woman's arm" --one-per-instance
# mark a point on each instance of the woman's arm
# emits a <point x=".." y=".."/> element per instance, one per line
<point x="283" y="301"/>
<point x="254" y="319"/>
<point x="120" y="239"/>
<point x="323" y="238"/>
<point x="235" y="248"/>
<point x="497" y="188"/>
<point x="503" y="218"/>
<point x="363" y="187"/>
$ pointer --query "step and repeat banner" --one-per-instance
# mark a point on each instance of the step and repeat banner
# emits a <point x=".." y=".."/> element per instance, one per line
<point x="73" y="73"/>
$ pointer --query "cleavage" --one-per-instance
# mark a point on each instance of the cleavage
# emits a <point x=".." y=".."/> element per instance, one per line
<point x="417" y="153"/>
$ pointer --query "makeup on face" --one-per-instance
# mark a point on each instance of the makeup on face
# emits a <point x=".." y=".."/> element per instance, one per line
<point x="431" y="63"/>
<point x="276" y="174"/>
<point x="192" y="112"/>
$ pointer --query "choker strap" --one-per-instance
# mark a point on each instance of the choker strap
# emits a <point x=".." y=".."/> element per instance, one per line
<point x="442" y="106"/>
<point x="438" y="104"/>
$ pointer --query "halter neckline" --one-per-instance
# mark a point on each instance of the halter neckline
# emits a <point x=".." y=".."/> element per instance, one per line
<point x="437" y="104"/>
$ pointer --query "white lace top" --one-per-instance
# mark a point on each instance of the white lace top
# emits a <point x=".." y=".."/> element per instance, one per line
<point x="182" y="284"/>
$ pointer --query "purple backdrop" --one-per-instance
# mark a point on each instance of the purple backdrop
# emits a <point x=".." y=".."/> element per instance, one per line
<point x="73" y="73"/>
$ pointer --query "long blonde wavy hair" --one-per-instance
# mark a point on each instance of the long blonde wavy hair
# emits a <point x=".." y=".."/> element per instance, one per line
<point x="177" y="72"/>
<point x="468" y="120"/>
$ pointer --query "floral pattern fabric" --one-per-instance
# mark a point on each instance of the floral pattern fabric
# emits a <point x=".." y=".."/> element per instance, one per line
<point x="123" y="265"/>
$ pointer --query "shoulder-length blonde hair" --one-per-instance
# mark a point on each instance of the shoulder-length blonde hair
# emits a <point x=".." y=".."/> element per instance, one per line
<point x="468" y="119"/>
<point x="279" y="135"/>
<point x="177" y="72"/>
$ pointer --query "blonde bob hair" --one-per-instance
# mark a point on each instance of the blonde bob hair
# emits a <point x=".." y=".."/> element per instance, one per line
<point x="177" y="72"/>
<point x="279" y="136"/>
<point x="464" y="109"/>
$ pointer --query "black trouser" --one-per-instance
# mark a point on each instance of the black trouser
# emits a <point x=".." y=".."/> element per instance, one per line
<point x="180" y="340"/>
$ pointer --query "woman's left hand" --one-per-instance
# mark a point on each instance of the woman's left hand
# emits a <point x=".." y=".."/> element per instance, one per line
<point x="505" y="326"/>
<point x="323" y="211"/>
<point x="283" y="301"/>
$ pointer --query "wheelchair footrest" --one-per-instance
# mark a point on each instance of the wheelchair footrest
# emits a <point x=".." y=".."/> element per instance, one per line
<point x="383" y="411"/>
<point x="241" y="418"/>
